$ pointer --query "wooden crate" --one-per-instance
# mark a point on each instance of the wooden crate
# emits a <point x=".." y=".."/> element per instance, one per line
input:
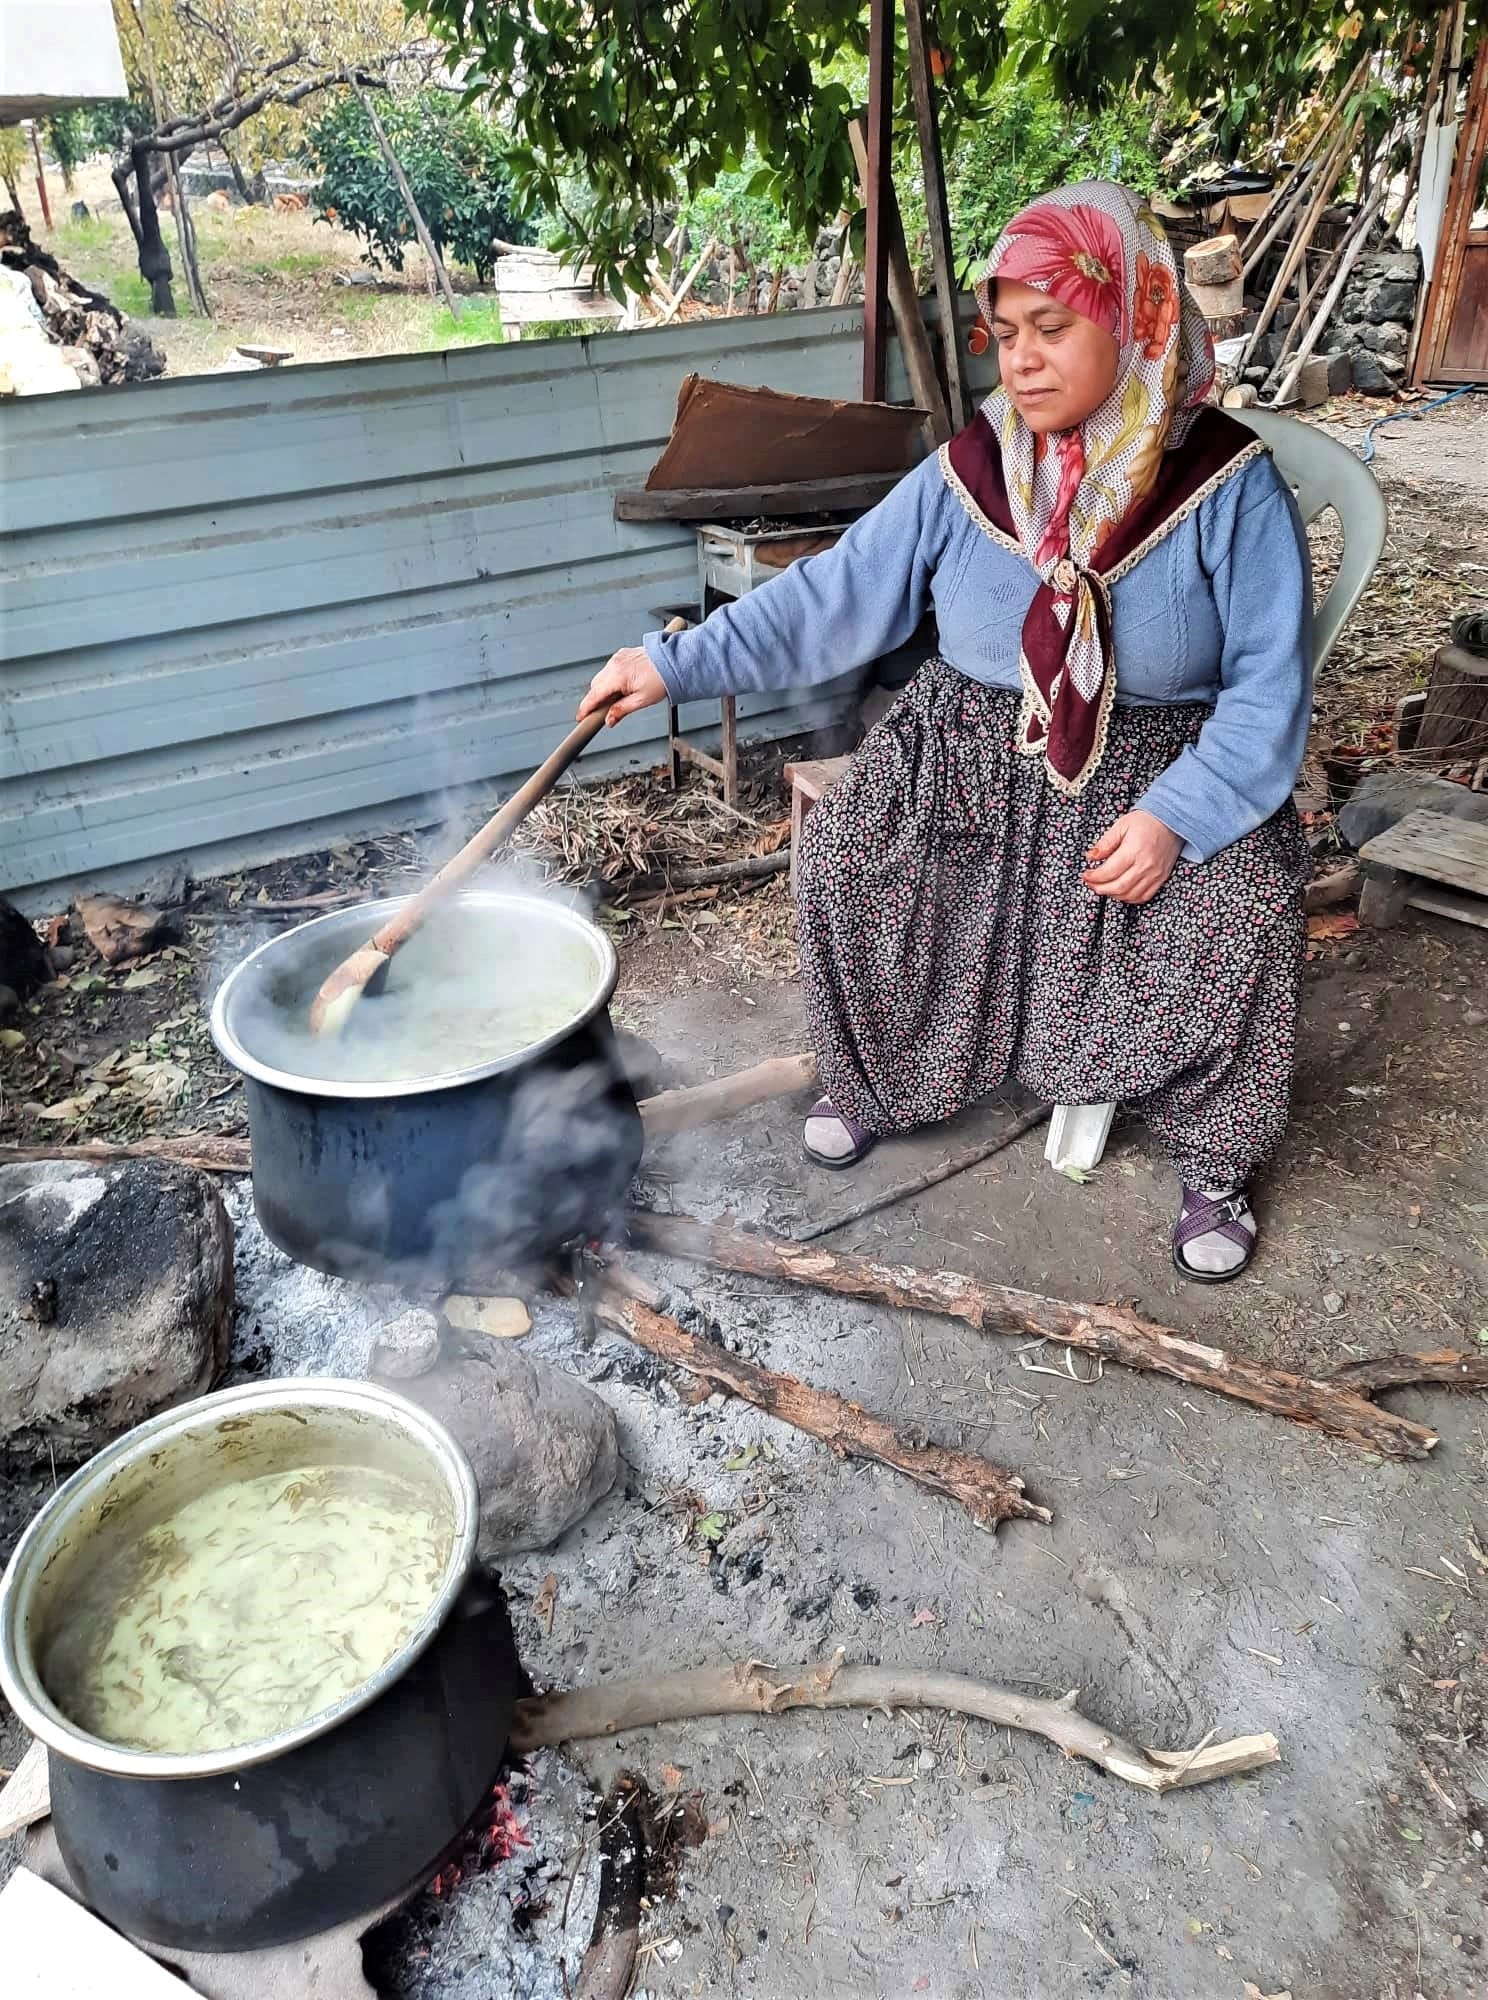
<point x="1426" y="861"/>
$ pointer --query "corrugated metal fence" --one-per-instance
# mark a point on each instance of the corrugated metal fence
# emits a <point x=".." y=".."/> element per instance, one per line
<point x="243" y="614"/>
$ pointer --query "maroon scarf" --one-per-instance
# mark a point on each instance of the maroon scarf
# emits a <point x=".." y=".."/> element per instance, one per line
<point x="1213" y="443"/>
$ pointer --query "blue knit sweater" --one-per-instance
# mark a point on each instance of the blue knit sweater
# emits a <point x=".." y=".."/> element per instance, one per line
<point x="1219" y="612"/>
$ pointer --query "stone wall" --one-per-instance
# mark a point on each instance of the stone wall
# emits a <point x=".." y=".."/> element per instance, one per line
<point x="1373" y="322"/>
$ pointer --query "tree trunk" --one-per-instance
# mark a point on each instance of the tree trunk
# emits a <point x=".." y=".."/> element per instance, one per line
<point x="251" y="193"/>
<point x="154" y="259"/>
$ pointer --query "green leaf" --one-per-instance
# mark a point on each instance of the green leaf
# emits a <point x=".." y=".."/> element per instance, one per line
<point x="744" y="1459"/>
<point x="1409" y="1833"/>
<point x="710" y="1529"/>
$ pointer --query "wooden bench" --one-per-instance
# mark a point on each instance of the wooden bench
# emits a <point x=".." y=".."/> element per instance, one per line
<point x="1426" y="861"/>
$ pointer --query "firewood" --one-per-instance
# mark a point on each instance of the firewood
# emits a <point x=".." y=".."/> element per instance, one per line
<point x="1214" y="262"/>
<point x="1440" y="1367"/>
<point x="1109" y="1331"/>
<point x="206" y="1151"/>
<point x="700" y="1103"/>
<point x="753" y="1687"/>
<point x="988" y="1492"/>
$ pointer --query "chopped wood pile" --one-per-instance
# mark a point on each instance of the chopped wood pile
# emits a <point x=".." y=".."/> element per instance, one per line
<point x="98" y="344"/>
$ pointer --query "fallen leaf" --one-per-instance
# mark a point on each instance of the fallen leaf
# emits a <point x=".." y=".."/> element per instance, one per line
<point x="1340" y="924"/>
<point x="1253" y="1992"/>
<point x="671" y="1777"/>
<point x="502" y="1319"/>
<point x="12" y="1038"/>
<point x="70" y="1107"/>
<point x="546" y="1602"/>
<point x="1410" y="1833"/>
<point x="924" y="1616"/>
<point x="711" y="1528"/>
<point x="138" y="980"/>
<point x="118" y="930"/>
<point x="743" y="1459"/>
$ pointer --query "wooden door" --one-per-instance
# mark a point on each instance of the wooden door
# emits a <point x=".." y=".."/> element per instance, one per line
<point x="1454" y="346"/>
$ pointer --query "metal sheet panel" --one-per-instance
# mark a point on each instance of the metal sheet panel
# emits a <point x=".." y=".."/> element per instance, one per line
<point x="244" y="614"/>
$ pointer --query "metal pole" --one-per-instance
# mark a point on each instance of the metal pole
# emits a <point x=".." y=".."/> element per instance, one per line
<point x="878" y="177"/>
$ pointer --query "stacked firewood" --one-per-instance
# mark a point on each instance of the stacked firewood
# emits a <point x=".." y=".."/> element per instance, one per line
<point x="98" y="343"/>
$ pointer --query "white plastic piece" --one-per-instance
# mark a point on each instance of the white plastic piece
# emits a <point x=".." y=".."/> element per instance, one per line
<point x="1078" y="1134"/>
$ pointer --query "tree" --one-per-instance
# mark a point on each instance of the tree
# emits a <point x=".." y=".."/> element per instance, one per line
<point x="642" y="94"/>
<point x="455" y="161"/>
<point x="230" y="61"/>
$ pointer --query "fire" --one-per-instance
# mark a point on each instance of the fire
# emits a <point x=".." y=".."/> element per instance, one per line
<point x="493" y="1835"/>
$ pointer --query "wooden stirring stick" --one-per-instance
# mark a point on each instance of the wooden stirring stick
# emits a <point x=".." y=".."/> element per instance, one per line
<point x="366" y="969"/>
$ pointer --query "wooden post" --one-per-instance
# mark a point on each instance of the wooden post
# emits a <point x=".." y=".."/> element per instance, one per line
<point x="915" y="341"/>
<point x="936" y="209"/>
<point x="878" y="187"/>
<point x="420" y="227"/>
<point x="41" y="186"/>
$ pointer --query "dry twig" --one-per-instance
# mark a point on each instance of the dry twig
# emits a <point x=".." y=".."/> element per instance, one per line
<point x="752" y="1687"/>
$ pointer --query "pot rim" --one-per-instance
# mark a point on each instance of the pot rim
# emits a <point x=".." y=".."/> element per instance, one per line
<point x="20" y="1679"/>
<point x="374" y="915"/>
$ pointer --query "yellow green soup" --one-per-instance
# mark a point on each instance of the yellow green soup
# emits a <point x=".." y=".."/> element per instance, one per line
<point x="252" y="1608"/>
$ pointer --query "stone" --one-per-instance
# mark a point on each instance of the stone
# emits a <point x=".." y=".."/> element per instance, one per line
<point x="1401" y="265"/>
<point x="24" y="964"/>
<point x="1371" y="376"/>
<point x="542" y="1444"/>
<point x="405" y="1347"/>
<point x="116" y="1295"/>
<point x="1384" y="797"/>
<point x="1322" y="376"/>
<point x="1389" y="298"/>
<point x="1332" y="1303"/>
<point x="10" y="1003"/>
<point x="1389" y="338"/>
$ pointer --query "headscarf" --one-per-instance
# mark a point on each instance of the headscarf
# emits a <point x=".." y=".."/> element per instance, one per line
<point x="1099" y="250"/>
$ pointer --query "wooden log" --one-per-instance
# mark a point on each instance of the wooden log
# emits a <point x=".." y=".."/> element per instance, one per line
<point x="849" y="493"/>
<point x="1290" y="197"/>
<point x="1109" y="1331"/>
<point x="752" y="1687"/>
<point x="209" y="1151"/>
<point x="989" y="1493"/>
<point x="1220" y="304"/>
<point x="937" y="212"/>
<point x="415" y="214"/>
<point x="1329" y="175"/>
<point x="914" y="340"/>
<point x="1455" y="717"/>
<point x="1214" y="262"/>
<point x="700" y="1103"/>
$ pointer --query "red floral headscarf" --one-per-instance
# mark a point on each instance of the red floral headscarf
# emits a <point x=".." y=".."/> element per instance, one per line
<point x="1097" y="249"/>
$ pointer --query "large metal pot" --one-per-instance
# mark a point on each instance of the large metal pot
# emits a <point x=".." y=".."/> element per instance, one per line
<point x="429" y="1177"/>
<point x="229" y="1850"/>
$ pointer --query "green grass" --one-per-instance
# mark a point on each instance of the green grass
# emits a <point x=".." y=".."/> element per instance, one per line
<point x="478" y="324"/>
<point x="293" y="264"/>
<point x="83" y="238"/>
<point x="131" y="295"/>
<point x="357" y="307"/>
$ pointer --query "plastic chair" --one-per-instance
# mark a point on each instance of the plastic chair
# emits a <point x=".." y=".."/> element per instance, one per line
<point x="1322" y="473"/>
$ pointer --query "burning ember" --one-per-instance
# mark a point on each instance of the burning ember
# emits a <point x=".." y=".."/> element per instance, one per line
<point x="493" y="1836"/>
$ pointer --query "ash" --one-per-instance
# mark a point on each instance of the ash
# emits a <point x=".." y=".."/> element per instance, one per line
<point x="516" y="1930"/>
<point x="289" y="1319"/>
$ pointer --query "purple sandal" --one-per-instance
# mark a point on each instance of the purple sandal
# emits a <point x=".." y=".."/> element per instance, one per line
<point x="863" y="1141"/>
<point x="1218" y="1215"/>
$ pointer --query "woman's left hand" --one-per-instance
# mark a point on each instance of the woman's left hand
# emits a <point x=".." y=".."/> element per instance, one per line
<point x="1132" y="859"/>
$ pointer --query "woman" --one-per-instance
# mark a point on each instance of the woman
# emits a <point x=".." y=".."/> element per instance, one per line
<point x="1068" y="854"/>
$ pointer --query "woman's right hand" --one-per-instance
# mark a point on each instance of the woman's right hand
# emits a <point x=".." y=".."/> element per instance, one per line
<point x="629" y="681"/>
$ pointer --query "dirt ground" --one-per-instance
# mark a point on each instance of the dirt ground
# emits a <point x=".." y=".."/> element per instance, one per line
<point x="273" y="279"/>
<point x="1208" y="1569"/>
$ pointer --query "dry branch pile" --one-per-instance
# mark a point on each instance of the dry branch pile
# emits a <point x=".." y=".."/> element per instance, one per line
<point x="99" y="344"/>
